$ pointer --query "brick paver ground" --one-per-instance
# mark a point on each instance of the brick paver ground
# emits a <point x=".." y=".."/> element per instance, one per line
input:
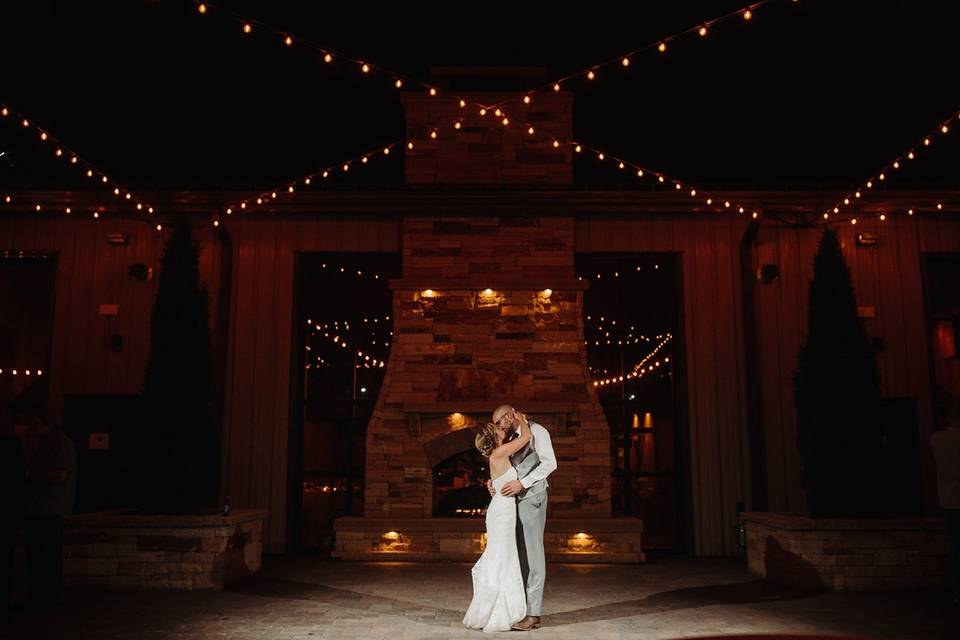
<point x="307" y="598"/>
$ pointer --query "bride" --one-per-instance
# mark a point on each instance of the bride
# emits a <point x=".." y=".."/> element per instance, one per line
<point x="499" y="599"/>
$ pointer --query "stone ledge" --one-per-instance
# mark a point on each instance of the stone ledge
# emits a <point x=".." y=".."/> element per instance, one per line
<point x="846" y="554"/>
<point x="572" y="540"/>
<point x="125" y="551"/>
<point x="793" y="522"/>
<point x="125" y="519"/>
<point x="554" y="524"/>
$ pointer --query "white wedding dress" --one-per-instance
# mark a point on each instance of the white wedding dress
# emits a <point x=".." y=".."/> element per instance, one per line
<point x="499" y="599"/>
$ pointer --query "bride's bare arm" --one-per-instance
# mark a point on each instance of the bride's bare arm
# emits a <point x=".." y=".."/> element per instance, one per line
<point x="509" y="448"/>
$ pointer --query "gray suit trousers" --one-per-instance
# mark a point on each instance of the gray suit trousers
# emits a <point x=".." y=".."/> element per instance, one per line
<point x="531" y="519"/>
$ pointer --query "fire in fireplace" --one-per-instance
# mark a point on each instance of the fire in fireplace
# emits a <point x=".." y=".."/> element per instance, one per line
<point x="459" y="485"/>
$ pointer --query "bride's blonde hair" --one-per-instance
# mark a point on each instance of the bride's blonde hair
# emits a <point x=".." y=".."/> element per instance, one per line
<point x="486" y="440"/>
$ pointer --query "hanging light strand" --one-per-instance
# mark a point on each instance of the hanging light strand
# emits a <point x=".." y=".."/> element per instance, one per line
<point x="317" y="177"/>
<point x="851" y="200"/>
<point x="249" y="26"/>
<point x="61" y="151"/>
<point x="717" y="203"/>
<point x="661" y="45"/>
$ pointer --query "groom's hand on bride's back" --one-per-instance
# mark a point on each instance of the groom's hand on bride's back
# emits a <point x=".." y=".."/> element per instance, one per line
<point x="490" y="488"/>
<point x="512" y="488"/>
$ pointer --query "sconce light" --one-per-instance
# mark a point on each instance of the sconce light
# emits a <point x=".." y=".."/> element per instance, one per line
<point x="428" y="293"/>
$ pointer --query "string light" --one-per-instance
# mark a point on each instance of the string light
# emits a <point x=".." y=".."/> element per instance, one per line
<point x="891" y="167"/>
<point x="325" y="172"/>
<point x="624" y="60"/>
<point x="59" y="149"/>
<point x="662" y="178"/>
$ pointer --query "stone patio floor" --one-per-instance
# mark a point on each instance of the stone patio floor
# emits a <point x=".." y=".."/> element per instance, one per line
<point x="304" y="597"/>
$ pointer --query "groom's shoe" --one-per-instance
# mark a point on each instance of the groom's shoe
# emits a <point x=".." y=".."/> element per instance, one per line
<point x="529" y="623"/>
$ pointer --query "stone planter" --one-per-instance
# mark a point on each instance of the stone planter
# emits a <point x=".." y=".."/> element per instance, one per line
<point x="837" y="554"/>
<point x="179" y="553"/>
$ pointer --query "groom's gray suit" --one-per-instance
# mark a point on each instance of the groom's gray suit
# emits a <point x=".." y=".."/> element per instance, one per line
<point x="533" y="464"/>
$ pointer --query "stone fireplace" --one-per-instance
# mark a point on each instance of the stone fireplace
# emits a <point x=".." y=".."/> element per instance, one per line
<point x="488" y="311"/>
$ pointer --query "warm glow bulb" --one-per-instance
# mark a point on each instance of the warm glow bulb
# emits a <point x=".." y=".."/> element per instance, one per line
<point x="483" y="111"/>
<point x="639" y="173"/>
<point x="556" y="86"/>
<point x="703" y="31"/>
<point x="25" y="122"/>
<point x="556" y="144"/>
<point x="526" y="99"/>
<point x="433" y="134"/>
<point x="433" y="91"/>
<point x="327" y="58"/>
<point x="944" y="129"/>
<point x="498" y="113"/>
<point x="43" y="135"/>
<point x="621" y="166"/>
<point x="456" y="125"/>
<point x="398" y="84"/>
<point x="601" y="156"/>
<point x="853" y="221"/>
<point x="409" y="145"/>
<point x="364" y="159"/>
<point x="247" y="28"/>
<point x="530" y="131"/>
<point x="4" y="112"/>
<point x="591" y="75"/>
<point x="882" y="217"/>
<point x="662" y="47"/>
<point x="747" y="14"/>
<point x="89" y="173"/>
<point x="910" y="212"/>
<point x="386" y="151"/>
<point x="910" y="155"/>
<point x="926" y="142"/>
<point x="366" y="69"/>
<point x="202" y="8"/>
<point x="625" y="62"/>
<point x="506" y="121"/>
<point x="288" y="41"/>
<point x="578" y="149"/>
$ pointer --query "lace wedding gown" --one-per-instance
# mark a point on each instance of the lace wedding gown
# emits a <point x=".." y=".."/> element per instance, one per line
<point x="499" y="599"/>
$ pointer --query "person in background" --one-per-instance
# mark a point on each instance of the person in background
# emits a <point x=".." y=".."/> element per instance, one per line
<point x="51" y="463"/>
<point x="12" y="487"/>
<point x="946" y="449"/>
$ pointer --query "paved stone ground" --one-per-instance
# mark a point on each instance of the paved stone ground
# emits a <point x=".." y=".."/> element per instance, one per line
<point x="306" y="598"/>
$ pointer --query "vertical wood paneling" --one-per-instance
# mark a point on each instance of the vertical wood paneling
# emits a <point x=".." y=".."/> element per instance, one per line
<point x="709" y="254"/>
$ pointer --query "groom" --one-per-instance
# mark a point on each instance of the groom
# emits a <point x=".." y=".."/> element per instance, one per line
<point x="533" y="464"/>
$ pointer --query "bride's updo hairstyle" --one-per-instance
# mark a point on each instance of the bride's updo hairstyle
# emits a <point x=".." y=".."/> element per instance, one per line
<point x="486" y="440"/>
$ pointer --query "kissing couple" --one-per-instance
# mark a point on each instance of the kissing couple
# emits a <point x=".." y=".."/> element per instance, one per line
<point x="509" y="576"/>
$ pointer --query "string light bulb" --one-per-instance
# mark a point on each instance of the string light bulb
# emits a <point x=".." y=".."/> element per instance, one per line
<point x="625" y="62"/>
<point x="747" y="15"/>
<point x="288" y="41"/>
<point x="247" y="28"/>
<point x="202" y="8"/>
<point x="591" y="75"/>
<point x="327" y="58"/>
<point x="662" y="47"/>
<point x="702" y="31"/>
<point x="366" y="69"/>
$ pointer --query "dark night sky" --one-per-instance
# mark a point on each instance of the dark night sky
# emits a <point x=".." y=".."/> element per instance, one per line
<point x="812" y="94"/>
